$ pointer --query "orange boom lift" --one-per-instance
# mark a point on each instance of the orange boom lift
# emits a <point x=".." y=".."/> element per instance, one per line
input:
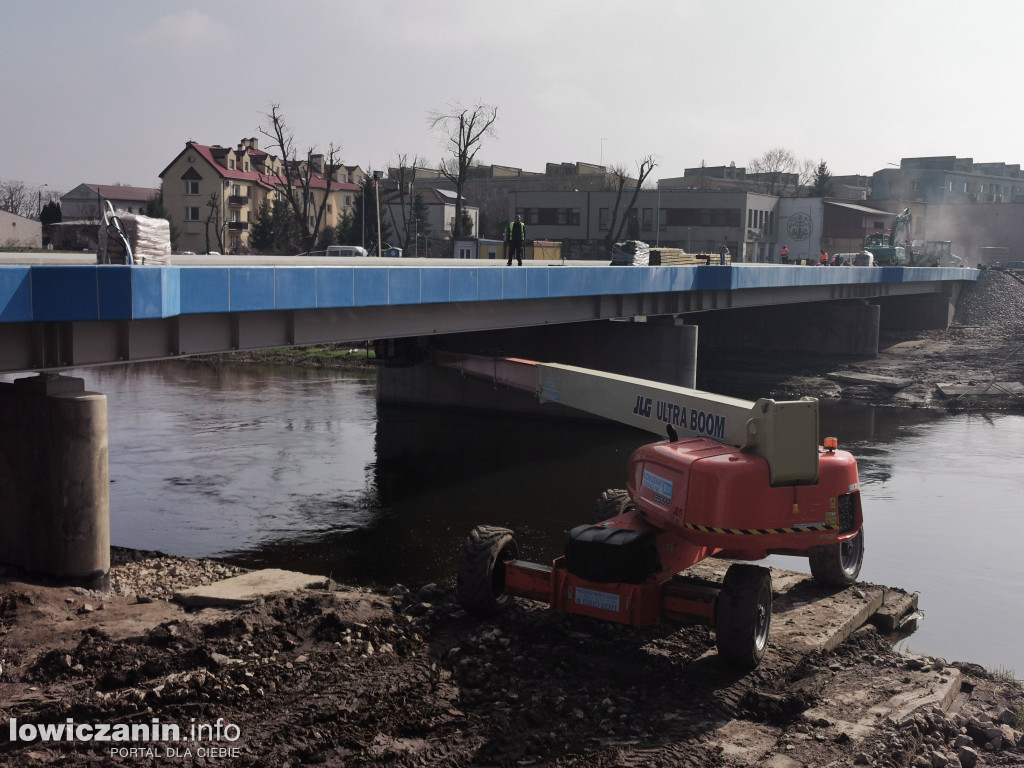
<point x="736" y="479"/>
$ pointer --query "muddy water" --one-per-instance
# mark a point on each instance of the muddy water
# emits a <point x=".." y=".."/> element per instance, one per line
<point x="296" y="468"/>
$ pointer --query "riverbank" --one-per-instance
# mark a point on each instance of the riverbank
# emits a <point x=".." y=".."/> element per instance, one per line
<point x="345" y="676"/>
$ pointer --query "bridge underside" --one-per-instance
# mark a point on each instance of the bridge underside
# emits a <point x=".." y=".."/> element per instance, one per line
<point x="40" y="345"/>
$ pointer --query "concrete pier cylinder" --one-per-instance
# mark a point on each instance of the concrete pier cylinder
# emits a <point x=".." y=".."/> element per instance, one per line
<point x="54" y="480"/>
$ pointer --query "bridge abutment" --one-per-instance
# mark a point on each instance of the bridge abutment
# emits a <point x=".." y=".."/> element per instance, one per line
<point x="54" y="480"/>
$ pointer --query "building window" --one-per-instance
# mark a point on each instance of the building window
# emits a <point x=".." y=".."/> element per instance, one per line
<point x="192" y="213"/>
<point x="328" y="208"/>
<point x="234" y="215"/>
<point x="562" y="217"/>
<point x="662" y="219"/>
<point x="191" y="187"/>
<point x="533" y="216"/>
<point x="647" y="222"/>
<point x="603" y="218"/>
<point x="348" y="200"/>
<point x="231" y="165"/>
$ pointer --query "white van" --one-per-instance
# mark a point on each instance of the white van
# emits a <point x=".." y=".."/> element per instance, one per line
<point x="345" y="250"/>
<point x="864" y="259"/>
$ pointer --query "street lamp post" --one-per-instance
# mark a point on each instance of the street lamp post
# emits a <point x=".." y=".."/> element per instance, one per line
<point x="377" y="176"/>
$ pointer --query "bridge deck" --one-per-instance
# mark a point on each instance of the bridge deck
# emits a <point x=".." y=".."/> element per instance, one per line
<point x="41" y="294"/>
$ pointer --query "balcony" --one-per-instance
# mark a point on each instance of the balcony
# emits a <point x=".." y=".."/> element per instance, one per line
<point x="238" y="225"/>
<point x="238" y="199"/>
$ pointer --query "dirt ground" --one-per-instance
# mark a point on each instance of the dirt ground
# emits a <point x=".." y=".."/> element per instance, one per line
<point x="351" y="677"/>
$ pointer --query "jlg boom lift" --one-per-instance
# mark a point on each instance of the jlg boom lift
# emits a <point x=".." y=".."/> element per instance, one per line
<point x="736" y="479"/>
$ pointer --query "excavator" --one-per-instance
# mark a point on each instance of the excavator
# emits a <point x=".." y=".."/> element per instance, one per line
<point x="734" y="479"/>
<point x="892" y="249"/>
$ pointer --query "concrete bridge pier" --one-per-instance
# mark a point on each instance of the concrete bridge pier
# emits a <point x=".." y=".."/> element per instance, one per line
<point x="663" y="350"/>
<point x="54" y="480"/>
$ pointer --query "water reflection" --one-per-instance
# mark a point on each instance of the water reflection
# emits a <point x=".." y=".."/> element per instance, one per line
<point x="297" y="468"/>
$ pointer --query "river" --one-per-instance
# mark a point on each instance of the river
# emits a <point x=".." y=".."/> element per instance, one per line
<point x="298" y="468"/>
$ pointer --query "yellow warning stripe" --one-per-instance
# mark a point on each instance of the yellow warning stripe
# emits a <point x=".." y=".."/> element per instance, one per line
<point x="761" y="531"/>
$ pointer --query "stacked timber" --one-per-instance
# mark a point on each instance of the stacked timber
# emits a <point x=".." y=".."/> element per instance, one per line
<point x="676" y="257"/>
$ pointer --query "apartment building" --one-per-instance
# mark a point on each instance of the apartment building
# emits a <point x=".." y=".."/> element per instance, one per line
<point x="213" y="193"/>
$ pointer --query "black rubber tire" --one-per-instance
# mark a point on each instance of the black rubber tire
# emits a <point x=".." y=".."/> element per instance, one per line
<point x="611" y="503"/>
<point x="743" y="615"/>
<point x="480" y="579"/>
<point x="838" y="565"/>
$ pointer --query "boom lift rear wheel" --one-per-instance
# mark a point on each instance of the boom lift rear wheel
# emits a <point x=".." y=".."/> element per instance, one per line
<point x="480" y="580"/>
<point x="744" y="614"/>
<point x="838" y="565"/>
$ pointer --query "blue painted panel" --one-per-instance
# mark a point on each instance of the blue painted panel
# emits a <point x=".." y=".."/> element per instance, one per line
<point x="537" y="282"/>
<point x="171" y="290"/>
<point x="335" y="287"/>
<point x="716" y="278"/>
<point x="295" y="287"/>
<point x="404" y="285"/>
<point x="252" y="288"/>
<point x="490" y="284"/>
<point x="465" y="283"/>
<point x="204" y="289"/>
<point x="15" y="294"/>
<point x="560" y="281"/>
<point x="64" y="293"/>
<point x="371" y="287"/>
<point x="513" y="284"/>
<point x="436" y="285"/>
<point x="130" y="293"/>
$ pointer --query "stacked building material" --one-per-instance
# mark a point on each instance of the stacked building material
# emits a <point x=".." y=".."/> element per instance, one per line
<point x="631" y="253"/>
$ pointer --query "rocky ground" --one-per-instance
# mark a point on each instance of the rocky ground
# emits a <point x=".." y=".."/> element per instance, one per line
<point x="351" y="677"/>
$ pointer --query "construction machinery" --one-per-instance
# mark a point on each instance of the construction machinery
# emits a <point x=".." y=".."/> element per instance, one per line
<point x="892" y="248"/>
<point x="735" y="479"/>
<point x="936" y="253"/>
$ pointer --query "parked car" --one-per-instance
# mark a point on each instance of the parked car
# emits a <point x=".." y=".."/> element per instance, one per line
<point x="345" y="250"/>
<point x="864" y="259"/>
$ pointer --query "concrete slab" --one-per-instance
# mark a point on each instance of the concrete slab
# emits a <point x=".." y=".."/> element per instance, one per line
<point x="243" y="589"/>
<point x="869" y="699"/>
<point x="870" y="379"/>
<point x="983" y="389"/>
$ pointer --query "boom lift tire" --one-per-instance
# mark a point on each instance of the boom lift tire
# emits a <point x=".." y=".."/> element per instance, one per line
<point x="838" y="565"/>
<point x="611" y="503"/>
<point x="744" y="615"/>
<point x="480" y="579"/>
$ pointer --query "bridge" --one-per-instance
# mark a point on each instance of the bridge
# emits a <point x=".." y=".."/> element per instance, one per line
<point x="54" y="485"/>
<point x="73" y="315"/>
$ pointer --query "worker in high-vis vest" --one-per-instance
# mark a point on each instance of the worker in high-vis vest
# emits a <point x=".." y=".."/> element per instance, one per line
<point x="516" y="240"/>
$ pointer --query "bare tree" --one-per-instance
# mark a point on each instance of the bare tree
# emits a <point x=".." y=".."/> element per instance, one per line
<point x="620" y="182"/>
<point x="464" y="130"/>
<point x="772" y="169"/>
<point x="405" y="179"/>
<point x="16" y="198"/>
<point x="298" y="177"/>
<point x="214" y="220"/>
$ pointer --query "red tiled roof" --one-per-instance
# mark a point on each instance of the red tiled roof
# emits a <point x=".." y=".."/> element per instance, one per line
<point x="319" y="181"/>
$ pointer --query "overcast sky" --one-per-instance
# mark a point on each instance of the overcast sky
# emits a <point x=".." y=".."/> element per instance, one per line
<point x="109" y="91"/>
